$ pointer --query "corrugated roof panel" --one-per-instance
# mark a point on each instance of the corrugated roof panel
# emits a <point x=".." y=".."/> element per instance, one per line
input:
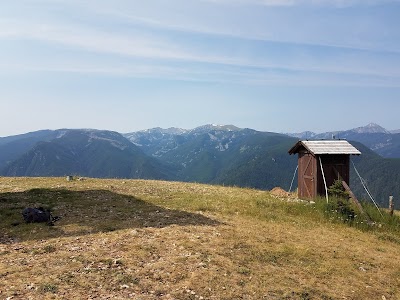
<point x="330" y="147"/>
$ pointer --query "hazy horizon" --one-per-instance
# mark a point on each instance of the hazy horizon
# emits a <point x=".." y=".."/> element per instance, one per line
<point x="291" y="132"/>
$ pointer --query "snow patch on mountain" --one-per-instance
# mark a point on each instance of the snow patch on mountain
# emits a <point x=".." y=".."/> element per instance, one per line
<point x="93" y="135"/>
<point x="221" y="147"/>
<point x="212" y="137"/>
<point x="61" y="133"/>
<point x="305" y="135"/>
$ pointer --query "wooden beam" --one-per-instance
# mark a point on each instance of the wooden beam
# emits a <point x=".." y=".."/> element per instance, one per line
<point x="355" y="200"/>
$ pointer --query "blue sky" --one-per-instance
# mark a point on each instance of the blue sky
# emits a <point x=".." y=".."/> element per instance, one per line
<point x="270" y="65"/>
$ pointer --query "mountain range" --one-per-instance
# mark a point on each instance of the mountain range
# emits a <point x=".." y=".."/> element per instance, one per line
<point x="385" y="143"/>
<point x="218" y="154"/>
<point x="91" y="153"/>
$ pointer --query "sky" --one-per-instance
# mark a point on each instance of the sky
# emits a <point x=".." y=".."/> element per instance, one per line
<point x="129" y="65"/>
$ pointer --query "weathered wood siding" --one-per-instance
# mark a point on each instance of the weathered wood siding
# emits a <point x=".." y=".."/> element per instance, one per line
<point x="335" y="167"/>
<point x="335" y="159"/>
<point x="307" y="178"/>
<point x="310" y="180"/>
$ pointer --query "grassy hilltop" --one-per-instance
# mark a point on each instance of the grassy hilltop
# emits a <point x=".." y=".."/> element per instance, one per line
<point x="121" y="239"/>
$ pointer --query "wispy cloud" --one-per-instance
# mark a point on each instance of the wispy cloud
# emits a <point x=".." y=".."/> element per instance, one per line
<point x="332" y="3"/>
<point x="228" y="57"/>
<point x="298" y="24"/>
<point x="256" y="2"/>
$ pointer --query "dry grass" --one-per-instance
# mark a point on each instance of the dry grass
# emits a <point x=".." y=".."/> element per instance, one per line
<point x="121" y="239"/>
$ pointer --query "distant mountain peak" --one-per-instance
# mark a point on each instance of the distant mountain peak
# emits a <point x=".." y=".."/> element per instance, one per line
<point x="114" y="138"/>
<point x="370" y="128"/>
<point x="302" y="135"/>
<point x="171" y="130"/>
<point x="208" y="127"/>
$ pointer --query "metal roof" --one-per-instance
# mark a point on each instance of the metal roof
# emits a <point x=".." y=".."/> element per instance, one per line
<point x="326" y="147"/>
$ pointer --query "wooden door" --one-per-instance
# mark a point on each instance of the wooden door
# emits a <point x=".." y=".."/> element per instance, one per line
<point x="307" y="175"/>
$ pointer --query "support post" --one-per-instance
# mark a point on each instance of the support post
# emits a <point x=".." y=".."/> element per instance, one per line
<point x="323" y="176"/>
<point x="391" y="205"/>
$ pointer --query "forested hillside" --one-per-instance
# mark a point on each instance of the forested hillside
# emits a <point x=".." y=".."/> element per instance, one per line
<point x="224" y="155"/>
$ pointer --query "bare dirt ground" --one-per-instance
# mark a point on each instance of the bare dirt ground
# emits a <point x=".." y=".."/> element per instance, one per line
<point x="133" y="239"/>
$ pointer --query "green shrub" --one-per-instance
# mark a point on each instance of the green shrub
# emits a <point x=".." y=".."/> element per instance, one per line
<point x="337" y="190"/>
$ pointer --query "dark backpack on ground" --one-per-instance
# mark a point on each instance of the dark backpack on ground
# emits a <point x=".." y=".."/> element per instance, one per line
<point x="38" y="215"/>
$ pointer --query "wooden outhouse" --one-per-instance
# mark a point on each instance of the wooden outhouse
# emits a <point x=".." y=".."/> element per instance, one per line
<point x="334" y="158"/>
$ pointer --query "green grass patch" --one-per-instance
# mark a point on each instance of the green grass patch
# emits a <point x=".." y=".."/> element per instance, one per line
<point x="48" y="288"/>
